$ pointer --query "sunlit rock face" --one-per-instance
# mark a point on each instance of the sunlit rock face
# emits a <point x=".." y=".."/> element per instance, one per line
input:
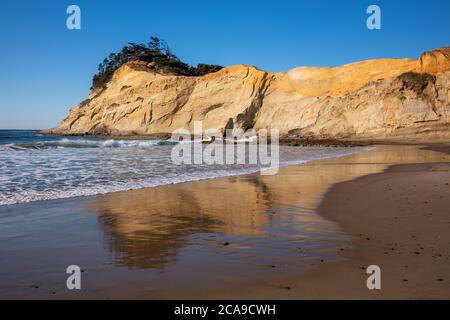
<point x="398" y="99"/>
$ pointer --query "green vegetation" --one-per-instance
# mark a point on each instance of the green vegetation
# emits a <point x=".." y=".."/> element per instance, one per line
<point x="157" y="52"/>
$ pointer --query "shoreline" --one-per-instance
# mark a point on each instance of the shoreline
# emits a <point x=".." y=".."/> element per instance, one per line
<point x="187" y="217"/>
<point x="399" y="220"/>
<point x="219" y="241"/>
<point x="401" y="223"/>
<point x="235" y="174"/>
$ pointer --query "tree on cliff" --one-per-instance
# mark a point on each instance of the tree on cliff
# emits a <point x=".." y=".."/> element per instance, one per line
<point x="156" y="51"/>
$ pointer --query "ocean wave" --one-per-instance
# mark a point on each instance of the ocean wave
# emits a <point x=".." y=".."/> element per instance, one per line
<point x="50" y="176"/>
<point x="110" y="143"/>
<point x="89" y="143"/>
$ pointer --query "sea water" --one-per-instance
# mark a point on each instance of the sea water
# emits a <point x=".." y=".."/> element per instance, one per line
<point x="36" y="167"/>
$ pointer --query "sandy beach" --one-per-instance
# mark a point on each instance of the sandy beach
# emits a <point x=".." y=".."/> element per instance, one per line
<point x="308" y="232"/>
<point x="225" y="158"/>
<point x="399" y="220"/>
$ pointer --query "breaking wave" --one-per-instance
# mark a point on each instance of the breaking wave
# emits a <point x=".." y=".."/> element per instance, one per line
<point x="59" y="167"/>
<point x="87" y="143"/>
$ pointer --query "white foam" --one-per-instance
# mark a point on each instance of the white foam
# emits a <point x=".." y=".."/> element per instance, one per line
<point x="117" y="165"/>
<point x="111" y="143"/>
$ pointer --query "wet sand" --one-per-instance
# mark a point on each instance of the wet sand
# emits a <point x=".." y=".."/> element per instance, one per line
<point x="399" y="220"/>
<point x="250" y="236"/>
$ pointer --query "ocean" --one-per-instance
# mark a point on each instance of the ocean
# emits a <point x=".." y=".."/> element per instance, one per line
<point x="37" y="167"/>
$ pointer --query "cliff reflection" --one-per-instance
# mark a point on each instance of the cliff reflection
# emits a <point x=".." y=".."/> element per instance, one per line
<point x="147" y="228"/>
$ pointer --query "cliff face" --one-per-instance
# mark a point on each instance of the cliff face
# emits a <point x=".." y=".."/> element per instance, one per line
<point x="375" y="99"/>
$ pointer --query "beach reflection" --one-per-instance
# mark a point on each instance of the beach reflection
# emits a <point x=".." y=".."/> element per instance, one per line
<point x="186" y="240"/>
<point x="147" y="228"/>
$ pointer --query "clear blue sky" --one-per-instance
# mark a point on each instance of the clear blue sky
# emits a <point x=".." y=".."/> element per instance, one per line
<point x="45" y="69"/>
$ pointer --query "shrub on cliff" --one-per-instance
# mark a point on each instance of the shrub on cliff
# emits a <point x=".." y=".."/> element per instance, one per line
<point x="203" y="69"/>
<point x="157" y="52"/>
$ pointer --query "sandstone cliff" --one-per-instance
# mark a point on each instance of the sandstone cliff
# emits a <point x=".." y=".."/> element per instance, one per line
<point x="382" y="99"/>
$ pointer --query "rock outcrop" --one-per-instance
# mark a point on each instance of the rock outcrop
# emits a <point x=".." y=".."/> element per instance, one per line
<point x="401" y="99"/>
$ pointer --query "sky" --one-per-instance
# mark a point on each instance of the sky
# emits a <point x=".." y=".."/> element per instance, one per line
<point x="45" y="68"/>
